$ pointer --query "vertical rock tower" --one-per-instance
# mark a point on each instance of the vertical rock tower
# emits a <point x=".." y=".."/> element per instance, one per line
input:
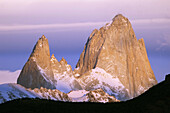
<point x="115" y="49"/>
<point x="37" y="72"/>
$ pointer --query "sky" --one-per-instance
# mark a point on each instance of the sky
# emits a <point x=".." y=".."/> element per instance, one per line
<point x="68" y="23"/>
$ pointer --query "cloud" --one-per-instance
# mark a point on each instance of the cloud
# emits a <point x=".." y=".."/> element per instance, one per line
<point x="163" y="43"/>
<point x="164" y="22"/>
<point x="149" y="21"/>
<point x="155" y="23"/>
<point x="9" y="77"/>
<point x="48" y="26"/>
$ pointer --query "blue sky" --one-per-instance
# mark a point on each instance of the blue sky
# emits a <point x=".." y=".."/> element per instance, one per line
<point x="68" y="23"/>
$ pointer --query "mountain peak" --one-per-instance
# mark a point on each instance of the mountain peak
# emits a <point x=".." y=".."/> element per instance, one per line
<point x="41" y="47"/>
<point x="42" y="40"/>
<point x="119" y="16"/>
<point x="43" y="36"/>
<point x="52" y="56"/>
<point x="115" y="49"/>
<point x="53" y="59"/>
<point x="63" y="61"/>
<point x="37" y="71"/>
<point x="120" y="20"/>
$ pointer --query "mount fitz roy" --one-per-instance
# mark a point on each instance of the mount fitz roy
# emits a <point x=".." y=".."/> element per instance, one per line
<point x="113" y="60"/>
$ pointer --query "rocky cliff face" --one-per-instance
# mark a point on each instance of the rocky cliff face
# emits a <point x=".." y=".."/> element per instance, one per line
<point x="37" y="72"/>
<point x="42" y="71"/>
<point x="64" y="75"/>
<point x="60" y="67"/>
<point x="115" y="49"/>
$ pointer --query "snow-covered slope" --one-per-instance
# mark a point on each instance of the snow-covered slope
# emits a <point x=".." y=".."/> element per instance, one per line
<point x="68" y="80"/>
<point x="99" y="78"/>
<point x="97" y="95"/>
<point x="14" y="91"/>
<point x="64" y="76"/>
<point x="94" y="79"/>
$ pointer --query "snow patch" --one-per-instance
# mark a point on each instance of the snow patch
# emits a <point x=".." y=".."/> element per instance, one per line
<point x="109" y="83"/>
<point x="77" y="75"/>
<point x="108" y="25"/>
<point x="77" y="94"/>
<point x="68" y="67"/>
<point x="103" y="76"/>
<point x="151" y="80"/>
<point x="40" y="45"/>
<point x="123" y="20"/>
<point x="14" y="91"/>
<point x="77" y="68"/>
<point x="44" y="75"/>
<point x="64" y="81"/>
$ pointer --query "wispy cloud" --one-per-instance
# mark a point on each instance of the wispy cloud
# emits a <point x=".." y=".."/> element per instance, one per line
<point x="84" y="24"/>
<point x="149" y="21"/>
<point x="163" y="43"/>
<point x="9" y="77"/>
<point x="48" y="26"/>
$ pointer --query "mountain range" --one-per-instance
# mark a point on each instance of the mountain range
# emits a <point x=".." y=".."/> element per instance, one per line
<point x="113" y="67"/>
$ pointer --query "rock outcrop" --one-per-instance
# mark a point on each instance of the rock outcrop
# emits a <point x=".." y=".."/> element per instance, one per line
<point x="60" y="67"/>
<point x="37" y="72"/>
<point x="64" y="75"/>
<point x="115" y="49"/>
<point x="97" y="95"/>
<point x="51" y="94"/>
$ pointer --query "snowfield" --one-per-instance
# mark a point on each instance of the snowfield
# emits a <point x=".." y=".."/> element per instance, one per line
<point x="13" y="91"/>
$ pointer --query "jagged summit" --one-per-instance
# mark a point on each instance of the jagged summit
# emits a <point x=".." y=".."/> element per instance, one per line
<point x="41" y="45"/>
<point x="37" y="72"/>
<point x="52" y="56"/>
<point x="115" y="49"/>
<point x="54" y="61"/>
<point x="43" y="37"/>
<point x="117" y="23"/>
<point x="120" y="18"/>
<point x="120" y="21"/>
<point x="63" y="61"/>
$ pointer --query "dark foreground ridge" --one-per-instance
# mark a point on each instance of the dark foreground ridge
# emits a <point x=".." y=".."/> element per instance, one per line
<point x="155" y="100"/>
